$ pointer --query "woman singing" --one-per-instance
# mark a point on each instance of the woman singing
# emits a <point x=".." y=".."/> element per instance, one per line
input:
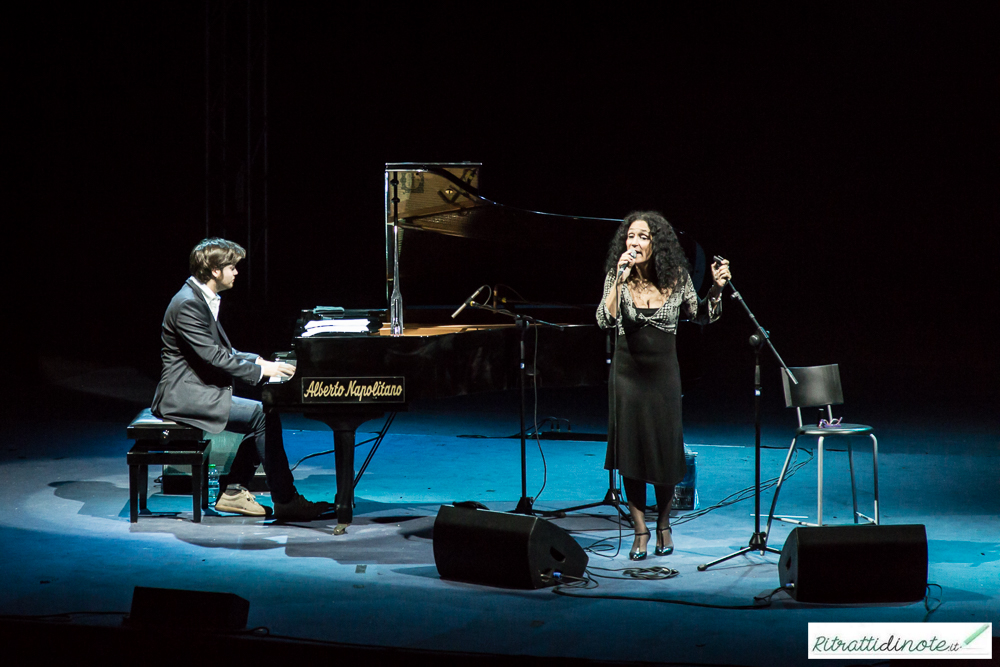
<point x="645" y="437"/>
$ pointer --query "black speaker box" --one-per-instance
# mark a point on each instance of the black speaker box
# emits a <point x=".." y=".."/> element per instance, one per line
<point x="198" y="610"/>
<point x="500" y="549"/>
<point x="855" y="564"/>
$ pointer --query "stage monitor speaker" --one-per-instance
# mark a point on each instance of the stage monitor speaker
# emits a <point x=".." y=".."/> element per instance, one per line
<point x="198" y="610"/>
<point x="501" y="549"/>
<point x="855" y="564"/>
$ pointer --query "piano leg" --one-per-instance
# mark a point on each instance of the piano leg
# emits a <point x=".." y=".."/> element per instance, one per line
<point x="344" y="428"/>
<point x="343" y="442"/>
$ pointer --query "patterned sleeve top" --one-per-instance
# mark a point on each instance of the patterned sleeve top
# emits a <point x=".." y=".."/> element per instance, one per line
<point x="700" y="311"/>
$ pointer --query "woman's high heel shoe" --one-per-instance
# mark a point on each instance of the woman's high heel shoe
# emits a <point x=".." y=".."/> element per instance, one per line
<point x="662" y="550"/>
<point x="638" y="555"/>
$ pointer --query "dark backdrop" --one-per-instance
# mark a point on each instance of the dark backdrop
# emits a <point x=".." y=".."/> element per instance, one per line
<point x="842" y="155"/>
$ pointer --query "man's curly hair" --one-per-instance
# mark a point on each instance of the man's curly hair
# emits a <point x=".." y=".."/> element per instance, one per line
<point x="669" y="263"/>
<point x="212" y="254"/>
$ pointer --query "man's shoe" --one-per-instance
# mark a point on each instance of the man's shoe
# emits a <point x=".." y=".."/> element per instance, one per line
<point x="238" y="500"/>
<point x="300" y="509"/>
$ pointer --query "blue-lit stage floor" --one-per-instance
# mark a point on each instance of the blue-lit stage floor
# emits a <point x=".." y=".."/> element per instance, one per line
<point x="68" y="545"/>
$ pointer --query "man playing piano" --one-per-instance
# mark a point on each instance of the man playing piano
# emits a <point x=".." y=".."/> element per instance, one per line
<point x="196" y="387"/>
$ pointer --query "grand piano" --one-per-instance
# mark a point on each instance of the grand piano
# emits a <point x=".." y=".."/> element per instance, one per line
<point x="443" y="241"/>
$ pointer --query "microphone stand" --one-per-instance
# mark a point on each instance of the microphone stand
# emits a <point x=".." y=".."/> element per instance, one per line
<point x="758" y="541"/>
<point x="522" y="322"/>
<point x="613" y="496"/>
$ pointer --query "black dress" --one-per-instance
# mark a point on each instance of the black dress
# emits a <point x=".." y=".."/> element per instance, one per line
<point x="645" y="435"/>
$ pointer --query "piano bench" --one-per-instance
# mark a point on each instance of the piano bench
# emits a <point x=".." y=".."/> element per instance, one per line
<point x="164" y="442"/>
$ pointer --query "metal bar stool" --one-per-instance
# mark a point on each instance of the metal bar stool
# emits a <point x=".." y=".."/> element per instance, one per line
<point x="164" y="442"/>
<point x="819" y="387"/>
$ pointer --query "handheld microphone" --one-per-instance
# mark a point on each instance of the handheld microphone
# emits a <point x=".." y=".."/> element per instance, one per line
<point x="621" y="269"/>
<point x="468" y="301"/>
<point x="735" y="294"/>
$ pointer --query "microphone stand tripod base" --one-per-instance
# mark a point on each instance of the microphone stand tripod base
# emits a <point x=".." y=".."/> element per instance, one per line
<point x="612" y="498"/>
<point x="524" y="506"/>
<point x="758" y="542"/>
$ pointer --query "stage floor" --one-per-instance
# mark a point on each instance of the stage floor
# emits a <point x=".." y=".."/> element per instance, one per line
<point x="68" y="546"/>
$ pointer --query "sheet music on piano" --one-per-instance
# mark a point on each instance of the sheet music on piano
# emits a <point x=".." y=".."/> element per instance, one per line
<point x="315" y="327"/>
<point x="327" y="320"/>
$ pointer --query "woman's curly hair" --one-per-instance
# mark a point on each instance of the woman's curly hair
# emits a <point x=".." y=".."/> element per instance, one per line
<point x="669" y="261"/>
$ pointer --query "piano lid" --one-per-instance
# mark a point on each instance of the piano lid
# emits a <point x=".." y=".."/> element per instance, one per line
<point x="452" y="240"/>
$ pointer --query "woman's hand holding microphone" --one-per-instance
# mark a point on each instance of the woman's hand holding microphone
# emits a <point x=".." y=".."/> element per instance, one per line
<point x="625" y="263"/>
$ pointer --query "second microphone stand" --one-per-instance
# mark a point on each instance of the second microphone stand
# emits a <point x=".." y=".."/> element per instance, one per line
<point x="522" y="322"/>
<point x="758" y="541"/>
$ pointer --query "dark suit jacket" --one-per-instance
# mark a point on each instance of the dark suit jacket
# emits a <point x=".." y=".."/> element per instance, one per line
<point x="199" y="364"/>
